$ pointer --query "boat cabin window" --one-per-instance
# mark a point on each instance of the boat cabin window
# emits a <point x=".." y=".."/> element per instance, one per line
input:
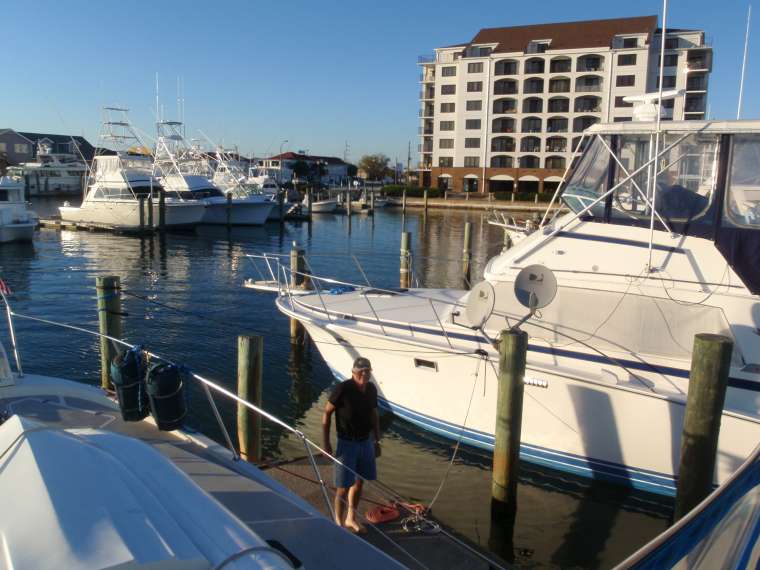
<point x="199" y="194"/>
<point x="742" y="206"/>
<point x="3" y="196"/>
<point x="684" y="186"/>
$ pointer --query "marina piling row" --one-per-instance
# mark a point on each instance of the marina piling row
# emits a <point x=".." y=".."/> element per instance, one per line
<point x="108" y="291"/>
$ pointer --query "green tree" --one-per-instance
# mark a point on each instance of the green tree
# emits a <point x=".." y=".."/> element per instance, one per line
<point x="375" y="165"/>
<point x="300" y="169"/>
<point x="351" y="170"/>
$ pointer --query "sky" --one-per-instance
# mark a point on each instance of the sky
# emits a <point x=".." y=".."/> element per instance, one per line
<point x="315" y="74"/>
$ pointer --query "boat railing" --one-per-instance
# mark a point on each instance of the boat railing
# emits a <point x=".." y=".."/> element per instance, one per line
<point x="414" y="517"/>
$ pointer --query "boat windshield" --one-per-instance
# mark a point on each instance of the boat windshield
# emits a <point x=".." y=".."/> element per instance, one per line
<point x="742" y="207"/>
<point x="198" y="194"/>
<point x="683" y="191"/>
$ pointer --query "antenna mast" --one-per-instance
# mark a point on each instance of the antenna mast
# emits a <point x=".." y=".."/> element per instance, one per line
<point x="744" y="64"/>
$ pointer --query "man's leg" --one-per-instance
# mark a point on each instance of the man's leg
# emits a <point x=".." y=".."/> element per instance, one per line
<point x="341" y="493"/>
<point x="354" y="496"/>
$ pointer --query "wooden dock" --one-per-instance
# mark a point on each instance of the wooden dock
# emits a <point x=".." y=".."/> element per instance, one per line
<point x="415" y="548"/>
<point x="59" y="224"/>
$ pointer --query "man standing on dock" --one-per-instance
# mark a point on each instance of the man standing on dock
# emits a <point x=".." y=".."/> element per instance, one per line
<point x="354" y="402"/>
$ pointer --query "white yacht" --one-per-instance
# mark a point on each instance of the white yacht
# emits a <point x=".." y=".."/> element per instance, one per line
<point x="643" y="261"/>
<point x="113" y="197"/>
<point x="54" y="174"/>
<point x="87" y="483"/>
<point x="17" y="221"/>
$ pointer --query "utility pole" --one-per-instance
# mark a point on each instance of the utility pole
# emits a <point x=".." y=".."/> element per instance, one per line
<point x="345" y="152"/>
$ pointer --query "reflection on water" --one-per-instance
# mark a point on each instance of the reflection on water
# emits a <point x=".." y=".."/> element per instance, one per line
<point x="183" y="297"/>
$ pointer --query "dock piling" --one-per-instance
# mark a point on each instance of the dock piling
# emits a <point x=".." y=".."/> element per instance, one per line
<point x="513" y="346"/>
<point x="467" y="254"/>
<point x="310" y="200"/>
<point x="161" y="210"/>
<point x="150" y="212"/>
<point x="425" y="200"/>
<point x="250" y="372"/>
<point x="281" y="205"/>
<point x="372" y="202"/>
<point x="348" y="203"/>
<point x="108" y="294"/>
<point x="228" y="210"/>
<point x="708" y="379"/>
<point x="141" y="205"/>
<point x="403" y="201"/>
<point x="404" y="277"/>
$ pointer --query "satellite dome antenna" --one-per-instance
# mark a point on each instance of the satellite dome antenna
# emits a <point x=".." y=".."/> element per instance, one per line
<point x="535" y="288"/>
<point x="480" y="304"/>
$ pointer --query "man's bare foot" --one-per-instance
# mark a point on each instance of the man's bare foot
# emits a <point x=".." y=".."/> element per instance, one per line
<point x="355" y="527"/>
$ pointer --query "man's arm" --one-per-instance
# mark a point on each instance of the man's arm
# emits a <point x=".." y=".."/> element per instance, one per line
<point x="326" y="421"/>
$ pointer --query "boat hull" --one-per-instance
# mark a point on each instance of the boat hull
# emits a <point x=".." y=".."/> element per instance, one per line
<point x="622" y="433"/>
<point x="22" y="232"/>
<point x="324" y="207"/>
<point x="240" y="212"/>
<point x="125" y="215"/>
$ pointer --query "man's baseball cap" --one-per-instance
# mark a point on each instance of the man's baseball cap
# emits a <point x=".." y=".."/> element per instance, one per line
<point x="362" y="363"/>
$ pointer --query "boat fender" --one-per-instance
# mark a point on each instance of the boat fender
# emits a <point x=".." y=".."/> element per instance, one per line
<point x="128" y="376"/>
<point x="166" y="392"/>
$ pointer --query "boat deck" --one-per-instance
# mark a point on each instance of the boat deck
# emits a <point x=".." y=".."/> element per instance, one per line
<point x="275" y="507"/>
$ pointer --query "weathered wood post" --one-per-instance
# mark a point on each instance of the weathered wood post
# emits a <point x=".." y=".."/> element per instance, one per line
<point x="425" y="200"/>
<point x="297" y="281"/>
<point x="150" y="212"/>
<point x="249" y="388"/>
<point x="162" y="210"/>
<point x="281" y="205"/>
<point x="513" y="346"/>
<point x="348" y="203"/>
<point x="310" y="200"/>
<point x="372" y="202"/>
<point x="107" y="290"/>
<point x="467" y="254"/>
<point x="141" y="205"/>
<point x="708" y="379"/>
<point x="403" y="201"/>
<point x="228" y="210"/>
<point x="404" y="277"/>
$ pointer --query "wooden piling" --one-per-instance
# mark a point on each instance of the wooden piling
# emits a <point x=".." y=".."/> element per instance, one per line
<point x="161" y="210"/>
<point x="425" y="200"/>
<point x="228" y="210"/>
<point x="249" y="387"/>
<point x="403" y="201"/>
<point x="141" y="205"/>
<point x="108" y="294"/>
<point x="348" y="203"/>
<point x="281" y="205"/>
<point x="467" y="254"/>
<point x="513" y="346"/>
<point x="310" y="200"/>
<point x="404" y="277"/>
<point x="150" y="212"/>
<point x="297" y="267"/>
<point x="708" y="379"/>
<point x="372" y="202"/>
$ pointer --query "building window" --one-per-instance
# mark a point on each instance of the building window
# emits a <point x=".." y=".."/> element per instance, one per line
<point x="667" y="103"/>
<point x="474" y="86"/>
<point x="484" y="51"/>
<point x="21" y="148"/>
<point x="445" y="143"/>
<point x="630" y="42"/>
<point x="668" y="81"/>
<point x="450" y="71"/>
<point x="447" y="107"/>
<point x="671" y="60"/>
<point x="620" y="103"/>
<point x="475" y="67"/>
<point x="447" y="126"/>
<point x="448" y="89"/>
<point x="472" y="161"/>
<point x="472" y="143"/>
<point x="627" y="59"/>
<point x="671" y="43"/>
<point x="446" y="161"/>
<point x="622" y="119"/>
<point x="472" y="124"/>
<point x="474" y="105"/>
<point x="3" y="147"/>
<point x="625" y="80"/>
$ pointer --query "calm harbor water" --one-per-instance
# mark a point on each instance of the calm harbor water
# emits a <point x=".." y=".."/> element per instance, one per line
<point x="184" y="299"/>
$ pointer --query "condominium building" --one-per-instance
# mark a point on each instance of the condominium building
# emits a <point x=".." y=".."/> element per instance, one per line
<point x="506" y="110"/>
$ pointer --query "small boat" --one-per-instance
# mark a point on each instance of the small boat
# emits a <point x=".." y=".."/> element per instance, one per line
<point x="54" y="174"/>
<point x="17" y="221"/>
<point x="324" y="206"/>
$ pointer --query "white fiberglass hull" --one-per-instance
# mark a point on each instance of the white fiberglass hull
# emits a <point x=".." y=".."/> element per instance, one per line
<point x="324" y="207"/>
<point x="17" y="232"/>
<point x="239" y="212"/>
<point x="573" y="421"/>
<point x="125" y="214"/>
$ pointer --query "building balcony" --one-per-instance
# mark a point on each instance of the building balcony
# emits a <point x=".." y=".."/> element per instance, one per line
<point x="425" y="130"/>
<point x="560" y="65"/>
<point x="696" y="84"/>
<point x="426" y="58"/>
<point x="556" y="147"/>
<point x="592" y="88"/>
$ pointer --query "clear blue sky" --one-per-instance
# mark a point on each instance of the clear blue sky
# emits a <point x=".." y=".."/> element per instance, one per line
<point x="315" y="73"/>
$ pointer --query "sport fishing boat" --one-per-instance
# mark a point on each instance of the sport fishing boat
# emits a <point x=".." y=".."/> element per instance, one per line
<point x="174" y="159"/>
<point x="122" y="484"/>
<point x="17" y="221"/>
<point x="661" y="243"/>
<point x="53" y="174"/>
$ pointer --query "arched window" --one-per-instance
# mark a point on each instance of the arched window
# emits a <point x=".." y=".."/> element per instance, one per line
<point x="556" y="144"/>
<point x="588" y="104"/>
<point x="580" y="124"/>
<point x="560" y="65"/>
<point x="530" y="144"/>
<point x="591" y="62"/>
<point x="529" y="161"/>
<point x="506" y="67"/>
<point x="502" y="161"/>
<point x="503" y="144"/>
<point x="559" y="85"/>
<point x="558" y="105"/>
<point x="557" y="162"/>
<point x="503" y="125"/>
<point x="556" y="125"/>
<point x="533" y="85"/>
<point x="534" y="65"/>
<point x="533" y="105"/>
<point x="531" y="125"/>
<point x="504" y="105"/>
<point x="505" y="87"/>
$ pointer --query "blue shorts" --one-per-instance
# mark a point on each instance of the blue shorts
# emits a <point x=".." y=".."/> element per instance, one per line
<point x="358" y="456"/>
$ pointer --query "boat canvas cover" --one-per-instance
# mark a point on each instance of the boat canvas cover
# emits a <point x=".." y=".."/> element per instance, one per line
<point x="85" y="498"/>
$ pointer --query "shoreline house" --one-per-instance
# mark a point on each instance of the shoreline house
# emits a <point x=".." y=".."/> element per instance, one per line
<point x="504" y="111"/>
<point x="17" y="147"/>
<point x="281" y="167"/>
